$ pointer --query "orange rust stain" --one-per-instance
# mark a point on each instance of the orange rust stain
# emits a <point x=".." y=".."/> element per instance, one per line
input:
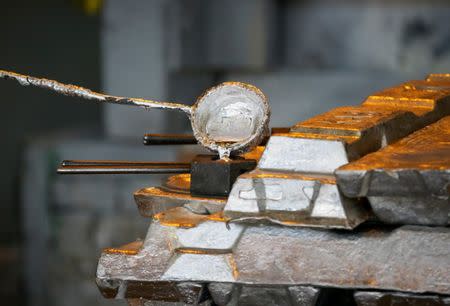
<point x="438" y="77"/>
<point x="233" y="266"/>
<point x="191" y="251"/>
<point x="347" y="121"/>
<point x="309" y="135"/>
<point x="372" y="282"/>
<point x="128" y="249"/>
<point x="156" y="191"/>
<point x="181" y="217"/>
<point x="325" y="179"/>
<point x="179" y="182"/>
<point x="428" y="148"/>
<point x="255" y="154"/>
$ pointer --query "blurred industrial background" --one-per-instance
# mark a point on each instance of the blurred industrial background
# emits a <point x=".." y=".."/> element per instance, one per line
<point x="307" y="57"/>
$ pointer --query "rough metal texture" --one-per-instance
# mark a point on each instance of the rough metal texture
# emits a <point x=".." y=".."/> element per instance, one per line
<point x="326" y="142"/>
<point x="373" y="298"/>
<point x="228" y="294"/>
<point x="411" y="210"/>
<point x="406" y="182"/>
<point x="262" y="248"/>
<point x="293" y="199"/>
<point x="221" y="293"/>
<point x="175" y="192"/>
<point x="409" y="259"/>
<point x="417" y="165"/>
<point x="153" y="200"/>
<point x="232" y="116"/>
<point x="287" y="152"/>
<point x="77" y="91"/>
<point x="383" y="118"/>
<point x="366" y="259"/>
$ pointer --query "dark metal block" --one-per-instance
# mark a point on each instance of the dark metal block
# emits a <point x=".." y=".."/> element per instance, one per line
<point x="375" y="298"/>
<point x="211" y="176"/>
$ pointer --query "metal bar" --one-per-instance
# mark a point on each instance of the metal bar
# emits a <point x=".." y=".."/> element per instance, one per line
<point x="119" y="163"/>
<point x="169" y="139"/>
<point x="180" y="139"/>
<point x="120" y="167"/>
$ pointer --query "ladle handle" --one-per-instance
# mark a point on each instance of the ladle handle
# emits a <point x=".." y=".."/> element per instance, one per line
<point x="77" y="91"/>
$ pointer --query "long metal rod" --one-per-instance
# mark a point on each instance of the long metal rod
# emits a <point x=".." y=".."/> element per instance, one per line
<point x="121" y="167"/>
<point x="169" y="139"/>
<point x="77" y="91"/>
<point x="67" y="163"/>
<point x="183" y="139"/>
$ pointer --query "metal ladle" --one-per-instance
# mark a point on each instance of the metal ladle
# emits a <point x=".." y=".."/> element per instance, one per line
<point x="230" y="117"/>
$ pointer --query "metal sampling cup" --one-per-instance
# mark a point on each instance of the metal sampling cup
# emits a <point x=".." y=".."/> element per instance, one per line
<point x="230" y="117"/>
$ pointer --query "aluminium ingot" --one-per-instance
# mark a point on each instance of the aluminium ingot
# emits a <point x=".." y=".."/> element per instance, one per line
<point x="406" y="182"/>
<point x="183" y="247"/>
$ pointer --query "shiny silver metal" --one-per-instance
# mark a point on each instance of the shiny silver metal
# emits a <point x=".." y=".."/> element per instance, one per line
<point x="371" y="258"/>
<point x="231" y="117"/>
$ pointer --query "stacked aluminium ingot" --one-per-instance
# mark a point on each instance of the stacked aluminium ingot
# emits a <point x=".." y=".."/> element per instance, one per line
<point x="351" y="205"/>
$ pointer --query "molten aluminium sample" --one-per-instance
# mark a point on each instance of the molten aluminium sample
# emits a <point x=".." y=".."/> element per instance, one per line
<point x="350" y="206"/>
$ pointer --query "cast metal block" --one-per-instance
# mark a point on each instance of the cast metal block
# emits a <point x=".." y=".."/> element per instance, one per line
<point x="293" y="199"/>
<point x="374" y="298"/>
<point x="417" y="165"/>
<point x="406" y="182"/>
<point x="412" y="259"/>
